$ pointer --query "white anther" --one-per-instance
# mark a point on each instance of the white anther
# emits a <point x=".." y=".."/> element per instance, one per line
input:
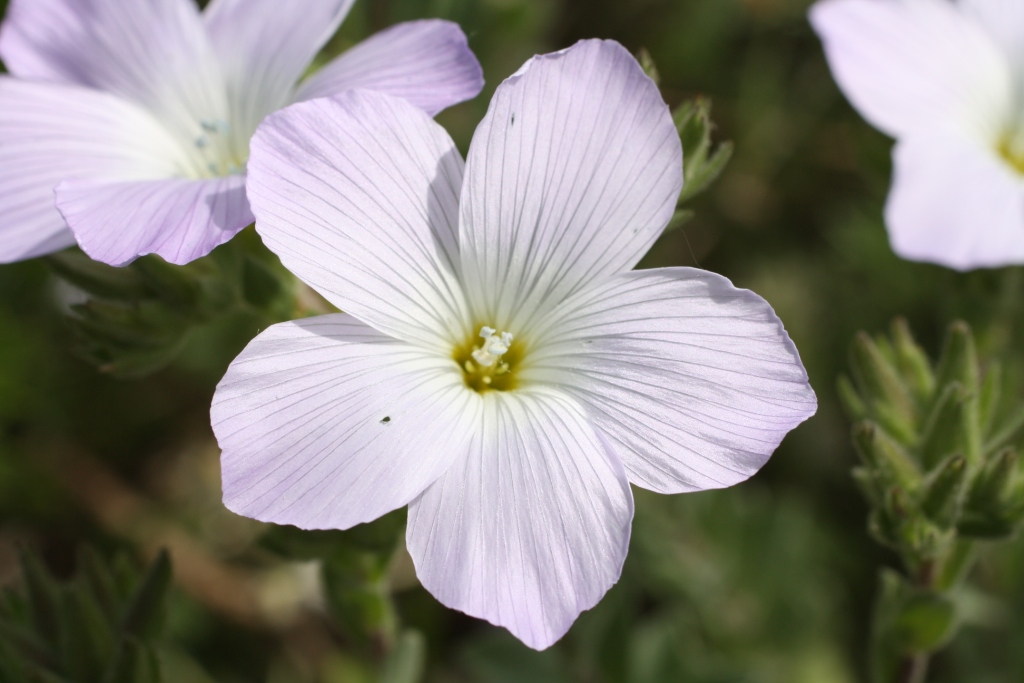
<point x="494" y="347"/>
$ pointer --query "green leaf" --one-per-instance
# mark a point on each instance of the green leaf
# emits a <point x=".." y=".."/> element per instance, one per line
<point x="98" y="279"/>
<point x="647" y="64"/>
<point x="146" y="609"/>
<point x="926" y="622"/>
<point x="176" y="286"/>
<point x="912" y="361"/>
<point x="407" y="662"/>
<point x="43" y="597"/>
<point x="881" y="453"/>
<point x="855" y="408"/>
<point x="944" y="490"/>
<point x="945" y="430"/>
<point x="959" y="361"/>
<point x="100" y="581"/>
<point x="87" y="640"/>
<point x="878" y="380"/>
<point x="701" y="166"/>
<point x="988" y="400"/>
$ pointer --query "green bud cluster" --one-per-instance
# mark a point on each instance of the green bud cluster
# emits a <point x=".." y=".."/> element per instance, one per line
<point x="934" y="441"/>
<point x="137" y="319"/>
<point x="97" y="628"/>
<point x="939" y="470"/>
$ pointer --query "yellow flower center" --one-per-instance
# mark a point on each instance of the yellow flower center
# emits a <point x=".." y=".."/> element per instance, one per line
<point x="1012" y="151"/>
<point x="489" y="360"/>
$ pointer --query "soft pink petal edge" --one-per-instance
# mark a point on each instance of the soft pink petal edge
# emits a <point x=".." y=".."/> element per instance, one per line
<point x="532" y="527"/>
<point x="326" y="423"/>
<point x="427" y="63"/>
<point x="358" y="194"/>
<point x="572" y="175"/>
<point x="178" y="219"/>
<point x="694" y="381"/>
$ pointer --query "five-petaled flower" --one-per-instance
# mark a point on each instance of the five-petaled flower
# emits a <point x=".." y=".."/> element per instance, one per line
<point x="499" y="367"/>
<point x="137" y="114"/>
<point x="946" y="78"/>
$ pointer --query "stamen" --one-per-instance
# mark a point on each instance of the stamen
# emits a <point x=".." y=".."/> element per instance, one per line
<point x="490" y="361"/>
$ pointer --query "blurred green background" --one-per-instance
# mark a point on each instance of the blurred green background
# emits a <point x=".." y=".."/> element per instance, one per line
<point x="770" y="582"/>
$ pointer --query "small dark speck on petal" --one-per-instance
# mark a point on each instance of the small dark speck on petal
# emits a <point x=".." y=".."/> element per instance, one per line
<point x="387" y="419"/>
<point x="513" y="120"/>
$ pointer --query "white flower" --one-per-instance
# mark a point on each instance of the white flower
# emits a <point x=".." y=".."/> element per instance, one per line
<point x="946" y="79"/>
<point x="500" y="368"/>
<point x="135" y="115"/>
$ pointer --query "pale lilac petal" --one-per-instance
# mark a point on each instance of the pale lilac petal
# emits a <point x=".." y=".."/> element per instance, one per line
<point x="532" y="527"/>
<point x="153" y="52"/>
<point x="1004" y="20"/>
<point x="427" y="62"/>
<point x="955" y="202"/>
<point x="50" y="133"/>
<point x="572" y="176"/>
<point x="910" y="63"/>
<point x="695" y="382"/>
<point x="264" y="47"/>
<point x="179" y="219"/>
<point x="358" y="195"/>
<point x="326" y="423"/>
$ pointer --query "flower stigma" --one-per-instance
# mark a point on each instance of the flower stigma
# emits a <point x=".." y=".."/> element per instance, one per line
<point x="488" y="361"/>
<point x="214" y="152"/>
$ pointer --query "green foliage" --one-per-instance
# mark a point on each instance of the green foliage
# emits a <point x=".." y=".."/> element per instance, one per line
<point x="136" y="319"/>
<point x="703" y="163"/>
<point x="354" y="569"/>
<point x="936" y="474"/>
<point x="99" y="627"/>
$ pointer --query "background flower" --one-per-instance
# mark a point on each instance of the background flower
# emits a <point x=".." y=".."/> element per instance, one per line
<point x="139" y="113"/>
<point x="500" y="368"/>
<point x="945" y="79"/>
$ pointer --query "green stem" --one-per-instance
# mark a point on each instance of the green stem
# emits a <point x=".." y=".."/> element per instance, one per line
<point x="914" y="669"/>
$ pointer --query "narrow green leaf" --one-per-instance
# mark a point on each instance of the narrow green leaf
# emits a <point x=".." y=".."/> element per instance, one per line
<point x="944" y="432"/>
<point x="888" y="458"/>
<point x="97" y="279"/>
<point x="944" y="491"/>
<point x="959" y="362"/>
<point x="912" y="361"/>
<point x="856" y="410"/>
<point x="43" y="597"/>
<point x="878" y="379"/>
<point x="146" y="608"/>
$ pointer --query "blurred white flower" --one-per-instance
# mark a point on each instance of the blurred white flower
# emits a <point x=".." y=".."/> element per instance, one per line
<point x="500" y="368"/>
<point x="946" y="79"/>
<point x="137" y="114"/>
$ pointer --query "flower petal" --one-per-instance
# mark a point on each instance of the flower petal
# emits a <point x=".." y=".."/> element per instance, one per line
<point x="427" y="62"/>
<point x="908" y="63"/>
<point x="358" y="194"/>
<point x="51" y="132"/>
<point x="572" y="176"/>
<point x="955" y="202"/>
<point x="151" y="52"/>
<point x="264" y="47"/>
<point x="326" y="423"/>
<point x="694" y="382"/>
<point x="179" y="219"/>
<point x="1004" y="20"/>
<point x="532" y="527"/>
